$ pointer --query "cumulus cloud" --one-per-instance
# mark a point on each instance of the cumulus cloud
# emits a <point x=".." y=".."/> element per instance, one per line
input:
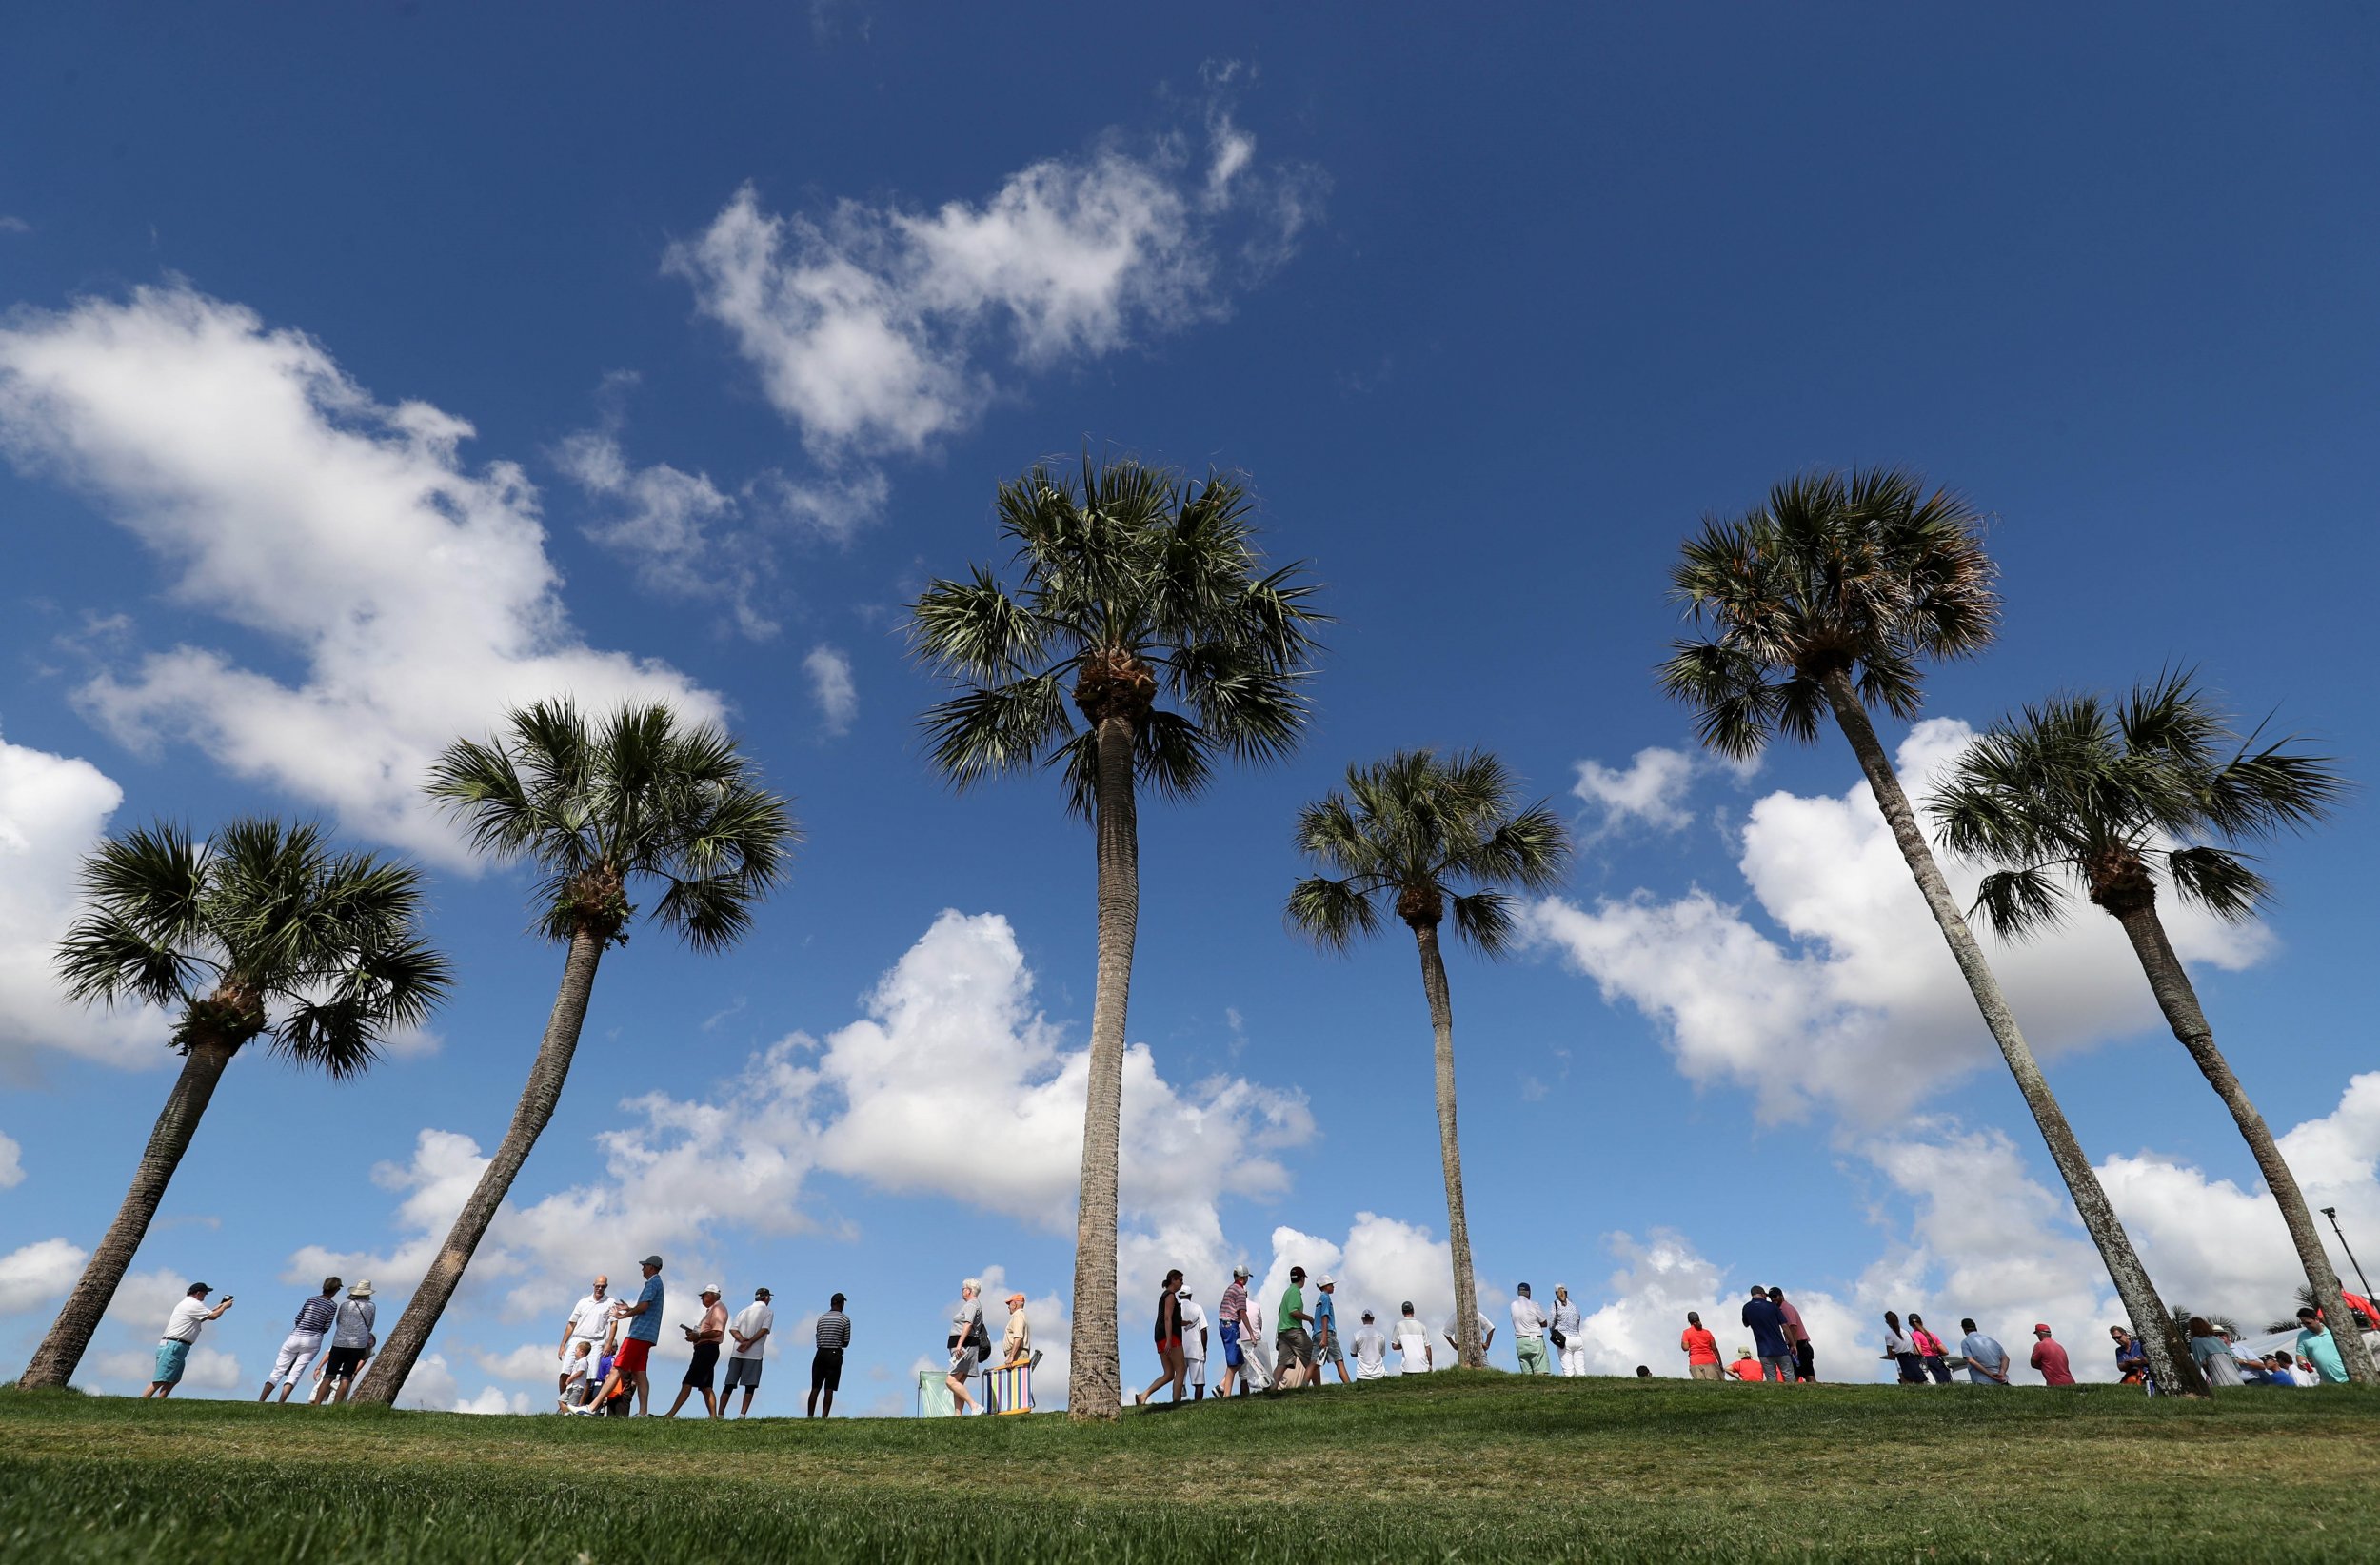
<point x="52" y="808"/>
<point x="1841" y="992"/>
<point x="36" y="1276"/>
<point x="673" y="528"/>
<point x="1650" y="791"/>
<point x="414" y="591"/>
<point x="832" y="688"/>
<point x="948" y="1059"/>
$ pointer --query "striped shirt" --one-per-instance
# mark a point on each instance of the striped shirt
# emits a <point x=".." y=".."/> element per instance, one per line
<point x="316" y="1314"/>
<point x="833" y="1331"/>
<point x="1234" y="1305"/>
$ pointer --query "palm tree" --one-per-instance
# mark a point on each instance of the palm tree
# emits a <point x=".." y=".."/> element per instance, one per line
<point x="1825" y="599"/>
<point x="597" y="807"/>
<point x="2074" y="792"/>
<point x="1136" y="584"/>
<point x="1410" y="832"/>
<point x="260" y="931"/>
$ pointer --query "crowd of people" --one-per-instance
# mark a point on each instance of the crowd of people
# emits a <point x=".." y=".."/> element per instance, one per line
<point x="607" y="1342"/>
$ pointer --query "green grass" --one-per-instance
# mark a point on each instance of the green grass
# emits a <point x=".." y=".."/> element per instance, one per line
<point x="1459" y="1466"/>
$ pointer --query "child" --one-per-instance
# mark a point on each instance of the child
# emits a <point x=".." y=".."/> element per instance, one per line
<point x="574" y="1390"/>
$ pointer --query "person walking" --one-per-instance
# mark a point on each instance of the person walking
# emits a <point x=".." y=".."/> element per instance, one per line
<point x="706" y="1338"/>
<point x="2215" y="1359"/>
<point x="1987" y="1361"/>
<point x="590" y="1321"/>
<point x="1931" y="1353"/>
<point x="1898" y="1348"/>
<point x="314" y="1318"/>
<point x="188" y="1319"/>
<point x="1797" y="1336"/>
<point x="1231" y="1313"/>
<point x="1567" y="1332"/>
<point x="1326" y="1348"/>
<point x="630" y="1364"/>
<point x="1194" y="1344"/>
<point x="966" y="1332"/>
<point x="1768" y="1336"/>
<point x="1415" y="1355"/>
<point x="2049" y="1356"/>
<point x="1702" y="1350"/>
<point x="1169" y="1356"/>
<point x="1293" y="1342"/>
<point x="1371" y="1347"/>
<point x="749" y="1331"/>
<point x="834" y="1337"/>
<point x="352" y="1338"/>
<point x="2317" y="1347"/>
<point x="1529" y="1323"/>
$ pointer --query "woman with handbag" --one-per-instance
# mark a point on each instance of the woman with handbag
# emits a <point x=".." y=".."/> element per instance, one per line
<point x="1569" y="1335"/>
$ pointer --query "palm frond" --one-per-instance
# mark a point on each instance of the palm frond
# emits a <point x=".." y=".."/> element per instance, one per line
<point x="2019" y="903"/>
<point x="1735" y="704"/>
<point x="2219" y="882"/>
<point x="987" y="731"/>
<point x="1485" y="919"/>
<point x="1330" y="913"/>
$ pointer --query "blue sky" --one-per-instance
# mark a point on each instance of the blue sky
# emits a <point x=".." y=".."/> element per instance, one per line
<point x="747" y="315"/>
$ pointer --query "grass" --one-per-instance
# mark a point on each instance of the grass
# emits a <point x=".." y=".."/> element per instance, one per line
<point x="1453" y="1467"/>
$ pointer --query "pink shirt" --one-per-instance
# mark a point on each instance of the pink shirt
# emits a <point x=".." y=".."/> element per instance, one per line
<point x="1793" y="1324"/>
<point x="2051" y="1360"/>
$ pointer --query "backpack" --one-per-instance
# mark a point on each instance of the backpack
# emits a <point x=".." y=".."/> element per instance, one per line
<point x="980" y="1336"/>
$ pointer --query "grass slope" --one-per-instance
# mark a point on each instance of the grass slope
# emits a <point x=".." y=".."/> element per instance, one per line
<point x="1455" y="1466"/>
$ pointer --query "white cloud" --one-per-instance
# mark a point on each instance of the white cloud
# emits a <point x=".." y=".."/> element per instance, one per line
<point x="1858" y="1005"/>
<point x="950" y="1086"/>
<point x="11" y="1171"/>
<point x="431" y="1385"/>
<point x="869" y="326"/>
<point x="36" y="1276"/>
<point x="494" y="1399"/>
<point x="10" y="222"/>
<point x="414" y="591"/>
<point x="1651" y="791"/>
<point x="667" y="525"/>
<point x="52" y="808"/>
<point x="832" y="688"/>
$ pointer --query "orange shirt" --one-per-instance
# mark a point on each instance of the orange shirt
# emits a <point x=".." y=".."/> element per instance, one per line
<point x="1745" y="1369"/>
<point x="1702" y="1347"/>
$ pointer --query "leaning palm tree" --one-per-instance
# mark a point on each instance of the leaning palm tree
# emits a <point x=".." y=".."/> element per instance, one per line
<point x="260" y="931"/>
<point x="598" y="809"/>
<point x="1135" y="585"/>
<point x="1824" y="601"/>
<point x="1411" y="832"/>
<point x="2077" y="792"/>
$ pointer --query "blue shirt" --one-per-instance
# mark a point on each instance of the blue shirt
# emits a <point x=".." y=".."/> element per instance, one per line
<point x="644" y="1326"/>
<point x="2318" y="1348"/>
<point x="1978" y="1349"/>
<point x="316" y="1314"/>
<point x="1326" y="1318"/>
<point x="1768" y="1329"/>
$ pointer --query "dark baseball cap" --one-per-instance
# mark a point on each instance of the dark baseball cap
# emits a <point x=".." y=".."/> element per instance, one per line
<point x="654" y="1262"/>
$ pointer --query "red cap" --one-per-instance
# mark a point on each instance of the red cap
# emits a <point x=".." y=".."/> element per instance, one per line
<point x="2039" y="1327"/>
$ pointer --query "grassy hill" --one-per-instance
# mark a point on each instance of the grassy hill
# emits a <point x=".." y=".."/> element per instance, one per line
<point x="1457" y="1466"/>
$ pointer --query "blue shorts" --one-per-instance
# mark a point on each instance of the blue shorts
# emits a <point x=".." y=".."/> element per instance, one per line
<point x="1231" y="1346"/>
<point x="171" y="1355"/>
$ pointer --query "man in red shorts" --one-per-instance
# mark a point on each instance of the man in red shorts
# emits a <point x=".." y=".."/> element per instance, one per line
<point x="636" y="1347"/>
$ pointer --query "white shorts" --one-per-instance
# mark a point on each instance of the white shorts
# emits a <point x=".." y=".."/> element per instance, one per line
<point x="297" y="1351"/>
<point x="1194" y="1372"/>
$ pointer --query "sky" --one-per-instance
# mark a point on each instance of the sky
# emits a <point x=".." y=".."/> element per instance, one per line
<point x="366" y="372"/>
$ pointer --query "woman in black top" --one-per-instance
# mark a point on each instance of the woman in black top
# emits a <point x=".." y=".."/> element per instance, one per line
<point x="1168" y="1341"/>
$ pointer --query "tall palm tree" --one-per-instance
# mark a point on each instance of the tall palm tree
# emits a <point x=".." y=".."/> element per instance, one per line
<point x="1827" y="599"/>
<point x="1410" y="832"/>
<point x="2075" y="792"/>
<point x="260" y="931"/>
<point x="599" y="807"/>
<point x="1135" y="585"/>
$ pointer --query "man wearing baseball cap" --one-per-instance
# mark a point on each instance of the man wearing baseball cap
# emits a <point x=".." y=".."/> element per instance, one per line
<point x="189" y="1317"/>
<point x="706" y="1338"/>
<point x="750" y="1329"/>
<point x="1293" y="1341"/>
<point x="636" y="1347"/>
<point x="1327" y="1349"/>
<point x="1371" y="1347"/>
<point x="2050" y="1358"/>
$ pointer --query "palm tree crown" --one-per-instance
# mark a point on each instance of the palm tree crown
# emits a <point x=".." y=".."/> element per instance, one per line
<point x="261" y="929"/>
<point x="1412" y="831"/>
<point x="597" y="806"/>
<point x="1135" y="583"/>
<point x="2081" y="791"/>
<point x="1861" y="574"/>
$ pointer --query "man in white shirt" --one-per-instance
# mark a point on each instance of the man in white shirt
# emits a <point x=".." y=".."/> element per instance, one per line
<point x="589" y="1321"/>
<point x="1414" y="1343"/>
<point x="181" y="1328"/>
<point x="1193" y="1345"/>
<point x="1371" y="1351"/>
<point x="1529" y="1325"/>
<point x="747" y="1331"/>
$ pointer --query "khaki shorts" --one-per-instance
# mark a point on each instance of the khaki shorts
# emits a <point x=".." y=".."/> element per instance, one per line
<point x="1706" y="1372"/>
<point x="1293" y="1348"/>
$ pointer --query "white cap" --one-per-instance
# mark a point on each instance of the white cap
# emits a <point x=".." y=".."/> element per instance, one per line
<point x="1322" y="1282"/>
<point x="709" y="1288"/>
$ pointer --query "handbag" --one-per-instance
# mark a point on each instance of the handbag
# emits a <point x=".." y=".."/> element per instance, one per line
<point x="1559" y="1341"/>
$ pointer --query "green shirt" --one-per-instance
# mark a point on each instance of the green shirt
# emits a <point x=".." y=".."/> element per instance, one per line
<point x="1292" y="1304"/>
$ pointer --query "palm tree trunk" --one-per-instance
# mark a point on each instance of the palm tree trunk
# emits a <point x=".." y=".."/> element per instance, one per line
<point x="2169" y="1356"/>
<point x="394" y="1361"/>
<point x="70" y="1335"/>
<point x="2178" y="998"/>
<point x="1095" y="1382"/>
<point x="1450" y="1150"/>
